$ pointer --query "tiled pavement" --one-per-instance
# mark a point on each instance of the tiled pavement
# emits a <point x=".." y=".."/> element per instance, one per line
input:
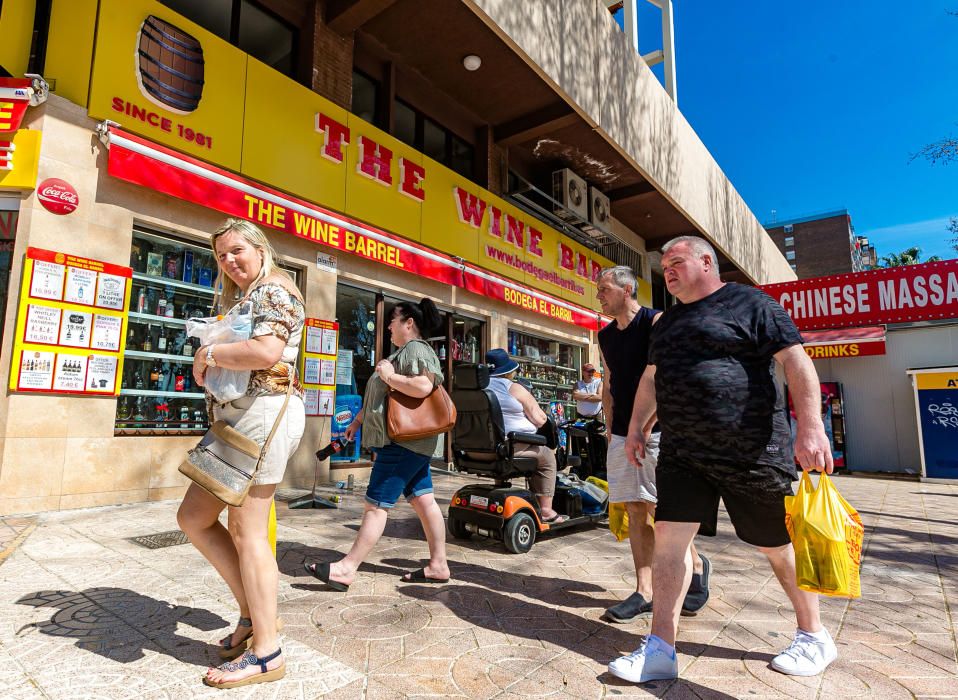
<point x="85" y="613"/>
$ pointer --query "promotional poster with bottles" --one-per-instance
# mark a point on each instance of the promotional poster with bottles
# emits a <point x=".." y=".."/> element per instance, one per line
<point x="318" y="369"/>
<point x="70" y="325"/>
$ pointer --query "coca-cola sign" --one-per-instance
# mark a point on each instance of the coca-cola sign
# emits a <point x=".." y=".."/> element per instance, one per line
<point x="57" y="196"/>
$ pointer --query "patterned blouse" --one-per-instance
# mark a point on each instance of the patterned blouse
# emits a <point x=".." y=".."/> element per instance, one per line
<point x="275" y="312"/>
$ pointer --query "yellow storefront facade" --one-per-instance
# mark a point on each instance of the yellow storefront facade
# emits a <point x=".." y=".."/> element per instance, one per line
<point x="360" y="218"/>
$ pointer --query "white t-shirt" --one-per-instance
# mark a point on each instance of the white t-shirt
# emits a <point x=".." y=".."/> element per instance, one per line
<point x="513" y="415"/>
<point x="588" y="408"/>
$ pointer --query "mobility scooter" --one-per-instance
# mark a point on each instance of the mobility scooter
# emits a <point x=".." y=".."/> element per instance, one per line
<point x="501" y="510"/>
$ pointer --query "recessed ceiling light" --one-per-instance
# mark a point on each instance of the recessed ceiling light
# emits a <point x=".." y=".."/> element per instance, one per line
<point x="471" y="62"/>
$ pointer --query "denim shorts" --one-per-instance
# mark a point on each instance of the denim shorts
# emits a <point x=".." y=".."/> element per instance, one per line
<point x="398" y="471"/>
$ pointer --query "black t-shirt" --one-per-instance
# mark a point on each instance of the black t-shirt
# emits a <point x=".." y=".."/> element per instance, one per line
<point x="716" y="394"/>
<point x="626" y="354"/>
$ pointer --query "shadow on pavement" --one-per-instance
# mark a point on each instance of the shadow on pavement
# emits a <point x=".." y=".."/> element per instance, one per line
<point x="548" y="589"/>
<point x="120" y="624"/>
<point x="502" y="612"/>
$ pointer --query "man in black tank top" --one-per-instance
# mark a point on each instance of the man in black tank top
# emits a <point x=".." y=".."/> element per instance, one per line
<point x="625" y="350"/>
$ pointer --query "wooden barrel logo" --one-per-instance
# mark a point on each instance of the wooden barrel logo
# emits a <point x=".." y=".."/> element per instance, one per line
<point x="169" y="66"/>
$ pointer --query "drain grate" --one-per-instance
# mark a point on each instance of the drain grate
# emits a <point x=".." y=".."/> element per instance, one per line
<point x="161" y="539"/>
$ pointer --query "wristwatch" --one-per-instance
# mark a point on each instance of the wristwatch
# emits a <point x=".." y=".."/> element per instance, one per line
<point x="210" y="360"/>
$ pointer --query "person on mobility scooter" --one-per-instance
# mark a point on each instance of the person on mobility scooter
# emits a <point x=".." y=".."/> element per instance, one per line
<point x="496" y="436"/>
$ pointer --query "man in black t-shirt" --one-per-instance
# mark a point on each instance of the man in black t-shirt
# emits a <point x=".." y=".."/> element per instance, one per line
<point x="724" y="435"/>
<point x="625" y="349"/>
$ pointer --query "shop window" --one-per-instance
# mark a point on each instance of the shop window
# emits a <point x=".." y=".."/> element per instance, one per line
<point x="789" y="240"/>
<point x="9" y="214"/>
<point x="356" y="314"/>
<point x="247" y="26"/>
<point x="172" y="281"/>
<point x="789" y="254"/>
<point x="365" y="103"/>
<point x="434" y="140"/>
<point x="550" y="368"/>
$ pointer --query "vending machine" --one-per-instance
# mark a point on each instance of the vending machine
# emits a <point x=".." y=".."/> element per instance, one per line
<point x="833" y="416"/>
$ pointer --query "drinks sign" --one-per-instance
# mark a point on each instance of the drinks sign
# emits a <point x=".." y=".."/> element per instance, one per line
<point x="70" y="324"/>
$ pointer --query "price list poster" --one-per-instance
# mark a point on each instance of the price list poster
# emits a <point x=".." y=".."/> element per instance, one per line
<point x="318" y="369"/>
<point x="71" y="325"/>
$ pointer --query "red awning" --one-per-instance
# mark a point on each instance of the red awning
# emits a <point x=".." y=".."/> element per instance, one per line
<point x="845" y="342"/>
<point x="142" y="162"/>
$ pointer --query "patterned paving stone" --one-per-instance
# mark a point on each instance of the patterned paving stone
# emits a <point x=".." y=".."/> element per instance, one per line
<point x="84" y="613"/>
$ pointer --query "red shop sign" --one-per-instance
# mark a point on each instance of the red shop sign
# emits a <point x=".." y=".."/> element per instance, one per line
<point x="890" y="295"/>
<point x="141" y="162"/>
<point x="57" y="196"/>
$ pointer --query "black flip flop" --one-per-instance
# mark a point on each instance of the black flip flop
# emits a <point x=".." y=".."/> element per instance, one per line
<point x="419" y="576"/>
<point x="320" y="570"/>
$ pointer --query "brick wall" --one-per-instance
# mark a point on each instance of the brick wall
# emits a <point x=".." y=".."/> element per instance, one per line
<point x="332" y="62"/>
<point x="822" y="247"/>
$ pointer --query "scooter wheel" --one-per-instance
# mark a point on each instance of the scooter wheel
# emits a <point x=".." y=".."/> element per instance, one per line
<point x="457" y="529"/>
<point x="520" y="533"/>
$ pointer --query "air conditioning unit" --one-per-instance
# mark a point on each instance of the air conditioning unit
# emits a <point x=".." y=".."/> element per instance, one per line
<point x="572" y="195"/>
<point x="600" y="210"/>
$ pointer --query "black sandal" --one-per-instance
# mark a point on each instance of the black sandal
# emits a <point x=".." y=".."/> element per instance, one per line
<point x="230" y="652"/>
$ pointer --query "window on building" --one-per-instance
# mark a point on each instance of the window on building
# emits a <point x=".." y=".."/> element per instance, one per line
<point x="365" y="104"/>
<point x="422" y="133"/>
<point x="789" y="240"/>
<point x="246" y="25"/>
<point x="792" y="265"/>
<point x="789" y="228"/>
<point x="789" y="254"/>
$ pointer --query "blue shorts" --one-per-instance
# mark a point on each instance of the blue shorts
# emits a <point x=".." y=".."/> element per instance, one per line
<point x="398" y="471"/>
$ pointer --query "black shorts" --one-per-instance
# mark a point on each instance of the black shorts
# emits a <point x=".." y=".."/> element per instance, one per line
<point x="754" y="498"/>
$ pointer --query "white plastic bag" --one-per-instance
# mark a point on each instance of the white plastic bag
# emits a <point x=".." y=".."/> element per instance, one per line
<point x="224" y="384"/>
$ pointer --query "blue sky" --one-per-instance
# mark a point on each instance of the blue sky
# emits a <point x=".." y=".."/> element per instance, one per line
<point x="813" y="107"/>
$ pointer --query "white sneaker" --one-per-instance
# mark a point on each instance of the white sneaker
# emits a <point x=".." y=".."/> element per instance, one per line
<point x="807" y="655"/>
<point x="645" y="664"/>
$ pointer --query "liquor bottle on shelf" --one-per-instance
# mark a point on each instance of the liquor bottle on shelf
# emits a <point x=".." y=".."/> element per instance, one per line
<point x="161" y="306"/>
<point x="155" y="376"/>
<point x="148" y="339"/>
<point x="137" y="380"/>
<point x="184" y="416"/>
<point x="188" y="348"/>
<point x="139" y="412"/>
<point x="131" y="338"/>
<point x="179" y="379"/>
<point x="123" y="409"/>
<point x="162" y="341"/>
<point x="442" y="351"/>
<point x="141" y="301"/>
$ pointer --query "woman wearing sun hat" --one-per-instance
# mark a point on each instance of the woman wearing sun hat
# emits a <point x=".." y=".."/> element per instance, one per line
<point x="521" y="414"/>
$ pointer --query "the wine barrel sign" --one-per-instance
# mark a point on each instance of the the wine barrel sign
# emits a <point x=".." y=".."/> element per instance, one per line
<point x="169" y="66"/>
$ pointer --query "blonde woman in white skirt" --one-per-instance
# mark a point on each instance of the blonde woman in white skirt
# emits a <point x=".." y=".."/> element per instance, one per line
<point x="242" y="553"/>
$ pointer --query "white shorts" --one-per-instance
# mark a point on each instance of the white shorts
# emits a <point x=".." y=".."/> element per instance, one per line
<point x="626" y="483"/>
<point x="254" y="417"/>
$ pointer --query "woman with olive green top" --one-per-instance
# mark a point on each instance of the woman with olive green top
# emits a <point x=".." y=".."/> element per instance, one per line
<point x="401" y="468"/>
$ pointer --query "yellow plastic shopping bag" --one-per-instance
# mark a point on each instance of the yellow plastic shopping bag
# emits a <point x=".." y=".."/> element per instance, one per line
<point x="827" y="535"/>
<point x="618" y="516"/>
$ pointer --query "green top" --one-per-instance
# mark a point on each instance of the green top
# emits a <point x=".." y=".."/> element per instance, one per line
<point x="415" y="358"/>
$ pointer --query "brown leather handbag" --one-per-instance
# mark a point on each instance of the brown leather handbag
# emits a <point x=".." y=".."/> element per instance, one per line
<point x="411" y="418"/>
